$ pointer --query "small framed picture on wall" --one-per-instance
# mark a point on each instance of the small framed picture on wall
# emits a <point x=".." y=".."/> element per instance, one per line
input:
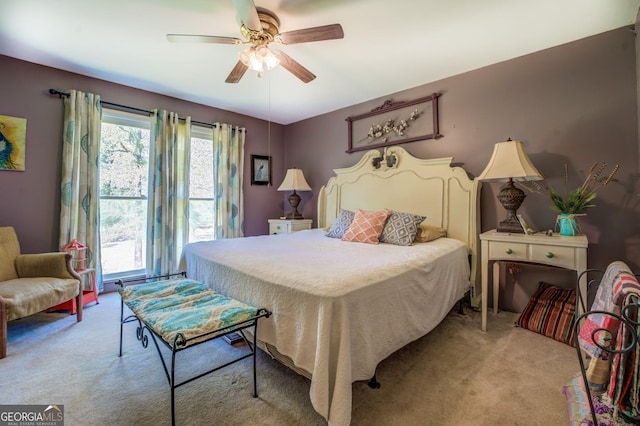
<point x="260" y="170"/>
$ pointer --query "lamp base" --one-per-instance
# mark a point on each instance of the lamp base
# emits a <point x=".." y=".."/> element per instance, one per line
<point x="295" y="215"/>
<point x="294" y="201"/>
<point x="510" y="226"/>
<point x="511" y="198"/>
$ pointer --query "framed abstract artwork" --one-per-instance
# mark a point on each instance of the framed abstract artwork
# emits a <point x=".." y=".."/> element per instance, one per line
<point x="13" y="137"/>
<point x="260" y="170"/>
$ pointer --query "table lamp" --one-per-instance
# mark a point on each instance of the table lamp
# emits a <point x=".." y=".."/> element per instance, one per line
<point x="510" y="162"/>
<point x="294" y="181"/>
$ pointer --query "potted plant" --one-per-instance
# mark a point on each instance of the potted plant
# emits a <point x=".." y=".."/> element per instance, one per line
<point x="575" y="202"/>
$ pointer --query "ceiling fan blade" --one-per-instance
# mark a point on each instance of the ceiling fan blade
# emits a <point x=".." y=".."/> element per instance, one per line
<point x="192" y="38"/>
<point x="248" y="14"/>
<point x="325" y="32"/>
<point x="236" y="73"/>
<point x="295" y="68"/>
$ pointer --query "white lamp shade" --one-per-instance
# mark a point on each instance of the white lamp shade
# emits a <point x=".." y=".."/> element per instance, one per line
<point x="294" y="181"/>
<point x="509" y="160"/>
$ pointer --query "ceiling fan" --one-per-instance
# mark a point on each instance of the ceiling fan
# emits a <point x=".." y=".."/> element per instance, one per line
<point x="259" y="28"/>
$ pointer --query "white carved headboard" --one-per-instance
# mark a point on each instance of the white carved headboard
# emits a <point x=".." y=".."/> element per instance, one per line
<point x="432" y="188"/>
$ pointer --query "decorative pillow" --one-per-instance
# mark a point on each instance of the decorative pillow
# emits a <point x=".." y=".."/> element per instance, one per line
<point x="401" y="228"/>
<point x="428" y="233"/>
<point x="551" y="312"/>
<point x="341" y="224"/>
<point x="366" y="226"/>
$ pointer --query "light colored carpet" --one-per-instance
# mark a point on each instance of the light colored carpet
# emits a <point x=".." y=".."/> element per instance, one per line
<point x="456" y="375"/>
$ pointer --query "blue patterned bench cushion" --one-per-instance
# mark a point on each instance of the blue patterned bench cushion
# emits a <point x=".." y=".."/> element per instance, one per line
<point x="184" y="306"/>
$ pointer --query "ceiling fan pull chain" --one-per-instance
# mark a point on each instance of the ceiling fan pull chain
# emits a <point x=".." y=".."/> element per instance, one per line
<point x="269" y="118"/>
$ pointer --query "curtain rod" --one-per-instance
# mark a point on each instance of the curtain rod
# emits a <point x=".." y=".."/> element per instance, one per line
<point x="129" y="108"/>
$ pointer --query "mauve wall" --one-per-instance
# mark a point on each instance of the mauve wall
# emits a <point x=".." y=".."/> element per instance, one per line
<point x="572" y="104"/>
<point x="30" y="199"/>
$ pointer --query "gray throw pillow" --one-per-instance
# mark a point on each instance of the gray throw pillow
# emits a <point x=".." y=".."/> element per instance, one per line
<point x="341" y="224"/>
<point x="401" y="228"/>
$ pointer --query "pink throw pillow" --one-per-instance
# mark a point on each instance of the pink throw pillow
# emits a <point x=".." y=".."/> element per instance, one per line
<point x="366" y="226"/>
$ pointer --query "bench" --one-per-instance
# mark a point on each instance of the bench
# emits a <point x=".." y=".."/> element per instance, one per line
<point x="182" y="313"/>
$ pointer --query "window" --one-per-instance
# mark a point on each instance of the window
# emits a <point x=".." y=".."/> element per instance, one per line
<point x="124" y="171"/>
<point x="201" y="191"/>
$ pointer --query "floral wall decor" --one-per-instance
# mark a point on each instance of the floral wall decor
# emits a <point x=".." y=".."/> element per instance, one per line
<point x="395" y="123"/>
<point x="13" y="136"/>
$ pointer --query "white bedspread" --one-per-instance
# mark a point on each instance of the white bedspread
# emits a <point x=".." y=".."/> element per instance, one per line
<point x="339" y="308"/>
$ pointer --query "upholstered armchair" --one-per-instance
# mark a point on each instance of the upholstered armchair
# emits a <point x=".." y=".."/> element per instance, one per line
<point x="30" y="283"/>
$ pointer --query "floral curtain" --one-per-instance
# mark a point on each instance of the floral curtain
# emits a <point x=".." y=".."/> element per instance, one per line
<point x="167" y="220"/>
<point x="228" y="166"/>
<point x="80" y="176"/>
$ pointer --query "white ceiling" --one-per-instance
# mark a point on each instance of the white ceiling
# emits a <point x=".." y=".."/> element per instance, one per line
<point x="389" y="45"/>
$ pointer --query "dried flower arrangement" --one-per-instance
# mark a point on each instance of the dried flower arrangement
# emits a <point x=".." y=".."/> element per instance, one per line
<point x="578" y="200"/>
<point x="377" y="131"/>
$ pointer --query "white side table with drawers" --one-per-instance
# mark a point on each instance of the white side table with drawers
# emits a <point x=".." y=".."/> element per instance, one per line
<point x="287" y="226"/>
<point x="569" y="252"/>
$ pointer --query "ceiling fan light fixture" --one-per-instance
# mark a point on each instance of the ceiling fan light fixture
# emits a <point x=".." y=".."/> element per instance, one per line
<point x="259" y="58"/>
<point x="271" y="59"/>
<point x="260" y="27"/>
<point x="251" y="60"/>
<point x="262" y="52"/>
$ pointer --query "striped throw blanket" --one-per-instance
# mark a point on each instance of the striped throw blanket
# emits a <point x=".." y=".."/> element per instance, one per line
<point x="618" y="293"/>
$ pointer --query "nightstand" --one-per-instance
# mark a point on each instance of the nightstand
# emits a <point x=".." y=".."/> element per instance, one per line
<point x="287" y="226"/>
<point x="557" y="250"/>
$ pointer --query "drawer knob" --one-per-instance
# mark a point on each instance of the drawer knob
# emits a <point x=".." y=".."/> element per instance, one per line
<point x="508" y="251"/>
<point x="549" y="254"/>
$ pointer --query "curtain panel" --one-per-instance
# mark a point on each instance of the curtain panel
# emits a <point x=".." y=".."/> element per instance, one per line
<point x="228" y="166"/>
<point x="167" y="220"/>
<point x="168" y="192"/>
<point x="80" y="176"/>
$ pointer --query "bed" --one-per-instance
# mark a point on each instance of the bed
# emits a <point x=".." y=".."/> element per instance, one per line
<point x="340" y="308"/>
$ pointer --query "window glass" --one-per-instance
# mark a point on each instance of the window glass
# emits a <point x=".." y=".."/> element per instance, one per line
<point x="124" y="170"/>
<point x="201" y="191"/>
